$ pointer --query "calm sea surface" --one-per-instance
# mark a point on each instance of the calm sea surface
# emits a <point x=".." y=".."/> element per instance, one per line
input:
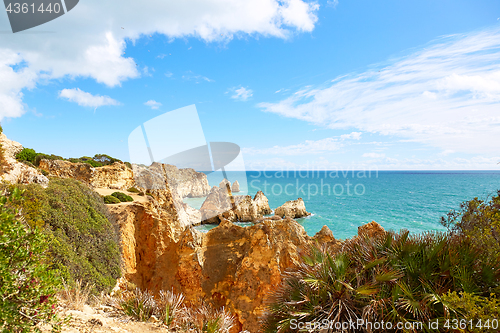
<point x="414" y="200"/>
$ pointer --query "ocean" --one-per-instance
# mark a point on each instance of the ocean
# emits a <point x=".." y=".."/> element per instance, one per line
<point x="344" y="200"/>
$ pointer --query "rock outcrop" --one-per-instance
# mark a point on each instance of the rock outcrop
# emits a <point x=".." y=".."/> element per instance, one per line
<point x="231" y="266"/>
<point x="262" y="203"/>
<point x="115" y="176"/>
<point x="371" y="229"/>
<point x="223" y="185"/>
<point x="218" y="206"/>
<point x="14" y="171"/>
<point x="293" y="209"/>
<point x="236" y="187"/>
<point x="187" y="182"/>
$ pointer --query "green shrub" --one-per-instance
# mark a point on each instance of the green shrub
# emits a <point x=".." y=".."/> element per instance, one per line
<point x="478" y="221"/>
<point x="27" y="154"/>
<point x="122" y="197"/>
<point x="105" y="159"/>
<point x="84" y="243"/>
<point x="128" y="165"/>
<point x="133" y="190"/>
<point x="141" y="194"/>
<point x="28" y="281"/>
<point x="109" y="199"/>
<point x="476" y="311"/>
<point x="40" y="157"/>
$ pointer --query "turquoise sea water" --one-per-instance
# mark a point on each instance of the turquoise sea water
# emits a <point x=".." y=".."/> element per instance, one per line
<point x="415" y="200"/>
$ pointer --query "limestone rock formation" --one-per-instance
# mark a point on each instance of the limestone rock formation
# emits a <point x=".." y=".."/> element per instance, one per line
<point x="236" y="187"/>
<point x="262" y="203"/>
<point x="115" y="176"/>
<point x="218" y="206"/>
<point x="14" y="171"/>
<point x="292" y="209"/>
<point x="187" y="182"/>
<point x="224" y="183"/>
<point x="371" y="229"/>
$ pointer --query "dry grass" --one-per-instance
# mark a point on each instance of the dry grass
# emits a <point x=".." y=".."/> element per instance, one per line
<point x="169" y="309"/>
<point x="75" y="296"/>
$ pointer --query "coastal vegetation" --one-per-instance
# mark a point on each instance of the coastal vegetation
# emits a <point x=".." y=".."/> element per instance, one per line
<point x="83" y="238"/>
<point x="32" y="158"/>
<point x="397" y="277"/>
<point x="28" y="279"/>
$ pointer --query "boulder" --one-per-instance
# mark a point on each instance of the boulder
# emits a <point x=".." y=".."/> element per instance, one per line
<point x="14" y="171"/>
<point x="292" y="209"/>
<point x="236" y="187"/>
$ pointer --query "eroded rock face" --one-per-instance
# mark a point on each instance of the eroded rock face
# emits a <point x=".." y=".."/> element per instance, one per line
<point x="223" y="185"/>
<point x="16" y="172"/>
<point x="218" y="206"/>
<point x="115" y="176"/>
<point x="293" y="209"/>
<point x="187" y="182"/>
<point x="236" y="187"/>
<point x="261" y="201"/>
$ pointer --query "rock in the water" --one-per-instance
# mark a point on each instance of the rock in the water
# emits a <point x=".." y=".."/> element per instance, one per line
<point x="218" y="206"/>
<point x="223" y="185"/>
<point x="372" y="229"/>
<point x="262" y="203"/>
<point x="293" y="209"/>
<point x="16" y="172"/>
<point x="236" y="187"/>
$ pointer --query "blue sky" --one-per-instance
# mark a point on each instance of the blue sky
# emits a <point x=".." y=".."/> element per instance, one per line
<point x="297" y="84"/>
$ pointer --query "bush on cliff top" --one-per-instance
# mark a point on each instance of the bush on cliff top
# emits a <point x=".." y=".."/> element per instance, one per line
<point x="31" y="156"/>
<point x="109" y="200"/>
<point x="84" y="243"/>
<point x="122" y="197"/>
<point x="28" y="281"/>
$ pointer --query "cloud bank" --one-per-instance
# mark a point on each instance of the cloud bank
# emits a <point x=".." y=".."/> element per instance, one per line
<point x="447" y="95"/>
<point x="94" y="48"/>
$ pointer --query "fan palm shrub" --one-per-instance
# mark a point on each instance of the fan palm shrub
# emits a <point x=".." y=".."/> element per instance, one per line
<point x="396" y="277"/>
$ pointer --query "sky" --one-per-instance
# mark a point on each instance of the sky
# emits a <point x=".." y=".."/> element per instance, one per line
<point x="347" y="84"/>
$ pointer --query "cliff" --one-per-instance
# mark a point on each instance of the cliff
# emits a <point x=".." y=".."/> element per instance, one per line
<point x="16" y="172"/>
<point x="115" y="176"/>
<point x="232" y="266"/>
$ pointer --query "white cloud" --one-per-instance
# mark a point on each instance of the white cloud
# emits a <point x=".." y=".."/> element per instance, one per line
<point x="352" y="136"/>
<point x="447" y="95"/>
<point x="86" y="99"/>
<point x="190" y="76"/>
<point x="154" y="105"/>
<point x="373" y="155"/>
<point x="95" y="49"/>
<point x="333" y="3"/>
<point x="307" y="147"/>
<point x="169" y="74"/>
<point x="241" y="94"/>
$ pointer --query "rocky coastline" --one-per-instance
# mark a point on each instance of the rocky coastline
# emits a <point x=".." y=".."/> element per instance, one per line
<point x="231" y="266"/>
